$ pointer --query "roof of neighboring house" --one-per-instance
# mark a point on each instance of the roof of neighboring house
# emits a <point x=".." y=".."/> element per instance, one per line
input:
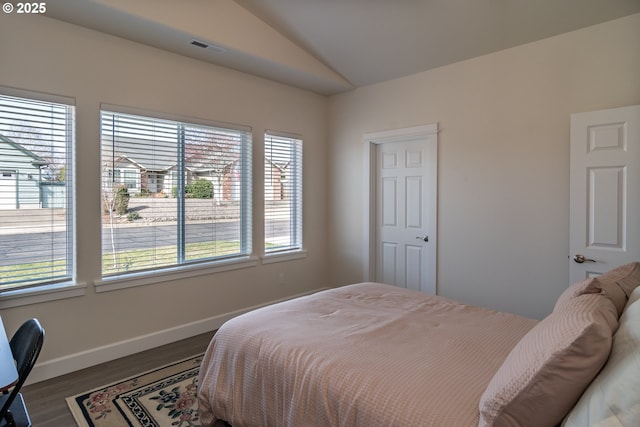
<point x="164" y="154"/>
<point x="210" y="162"/>
<point x="279" y="165"/>
<point x="160" y="159"/>
<point x="37" y="160"/>
<point x="152" y="164"/>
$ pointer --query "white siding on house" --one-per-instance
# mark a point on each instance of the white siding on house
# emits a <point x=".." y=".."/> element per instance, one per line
<point x="19" y="178"/>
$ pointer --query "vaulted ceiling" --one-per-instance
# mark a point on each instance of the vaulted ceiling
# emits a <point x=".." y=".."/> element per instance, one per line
<point x="332" y="46"/>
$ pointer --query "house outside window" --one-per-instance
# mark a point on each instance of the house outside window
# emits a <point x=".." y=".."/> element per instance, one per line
<point x="282" y="193"/>
<point x="164" y="203"/>
<point x="130" y="179"/>
<point x="126" y="177"/>
<point x="36" y="232"/>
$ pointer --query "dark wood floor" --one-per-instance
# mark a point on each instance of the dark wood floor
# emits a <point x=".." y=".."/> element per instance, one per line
<point x="46" y="400"/>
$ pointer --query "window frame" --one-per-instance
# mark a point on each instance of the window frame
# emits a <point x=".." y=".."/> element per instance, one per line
<point x="67" y="287"/>
<point x="190" y="269"/>
<point x="296" y="211"/>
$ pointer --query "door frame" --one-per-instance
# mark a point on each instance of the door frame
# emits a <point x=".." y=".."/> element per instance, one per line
<point x="370" y="140"/>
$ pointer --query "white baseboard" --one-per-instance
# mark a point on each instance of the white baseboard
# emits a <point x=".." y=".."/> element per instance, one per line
<point x="85" y="359"/>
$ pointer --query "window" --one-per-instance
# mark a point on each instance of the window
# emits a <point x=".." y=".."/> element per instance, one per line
<point x="173" y="193"/>
<point x="36" y="141"/>
<point x="282" y="193"/>
<point x="125" y="177"/>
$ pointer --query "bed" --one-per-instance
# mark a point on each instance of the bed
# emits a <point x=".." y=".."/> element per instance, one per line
<point x="370" y="354"/>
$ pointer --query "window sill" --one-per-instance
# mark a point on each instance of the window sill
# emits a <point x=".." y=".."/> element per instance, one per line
<point x="284" y="256"/>
<point x="170" y="274"/>
<point x="45" y="293"/>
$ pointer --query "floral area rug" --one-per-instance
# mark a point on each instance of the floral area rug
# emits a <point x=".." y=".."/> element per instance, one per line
<point x="164" y="397"/>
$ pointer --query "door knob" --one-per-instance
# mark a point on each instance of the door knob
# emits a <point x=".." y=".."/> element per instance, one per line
<point x="425" y="238"/>
<point x="581" y="258"/>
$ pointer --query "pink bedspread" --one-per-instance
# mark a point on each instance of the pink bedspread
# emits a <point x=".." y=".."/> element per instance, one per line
<point x="362" y="355"/>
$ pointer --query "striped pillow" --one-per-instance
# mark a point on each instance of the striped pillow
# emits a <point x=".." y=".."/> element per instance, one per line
<point x="546" y="372"/>
<point x="594" y="285"/>
<point x="586" y="286"/>
<point x="616" y="284"/>
<point x="626" y="276"/>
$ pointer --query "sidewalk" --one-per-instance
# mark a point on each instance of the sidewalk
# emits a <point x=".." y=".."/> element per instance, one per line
<point x="22" y="221"/>
<point x="152" y="211"/>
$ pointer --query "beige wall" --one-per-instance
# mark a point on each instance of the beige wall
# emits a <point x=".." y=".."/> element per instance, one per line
<point x="41" y="54"/>
<point x="503" y="207"/>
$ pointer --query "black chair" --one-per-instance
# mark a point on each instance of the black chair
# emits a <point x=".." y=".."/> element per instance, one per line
<point x="25" y="345"/>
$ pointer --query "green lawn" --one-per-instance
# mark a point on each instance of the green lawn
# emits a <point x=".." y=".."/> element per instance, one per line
<point x="165" y="256"/>
<point x="131" y="260"/>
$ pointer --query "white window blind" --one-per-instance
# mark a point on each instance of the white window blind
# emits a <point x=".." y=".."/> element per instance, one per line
<point x="173" y="193"/>
<point x="36" y="240"/>
<point x="283" y="193"/>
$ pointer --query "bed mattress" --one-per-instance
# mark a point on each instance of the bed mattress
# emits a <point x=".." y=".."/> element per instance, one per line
<point x="361" y="355"/>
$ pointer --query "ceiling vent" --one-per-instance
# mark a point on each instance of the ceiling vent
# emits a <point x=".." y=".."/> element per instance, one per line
<point x="209" y="46"/>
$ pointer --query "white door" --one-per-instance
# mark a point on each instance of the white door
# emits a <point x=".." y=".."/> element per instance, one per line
<point x="406" y="197"/>
<point x="605" y="191"/>
<point x="152" y="182"/>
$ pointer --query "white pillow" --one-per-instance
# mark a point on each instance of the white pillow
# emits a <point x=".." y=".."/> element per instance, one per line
<point x="613" y="397"/>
